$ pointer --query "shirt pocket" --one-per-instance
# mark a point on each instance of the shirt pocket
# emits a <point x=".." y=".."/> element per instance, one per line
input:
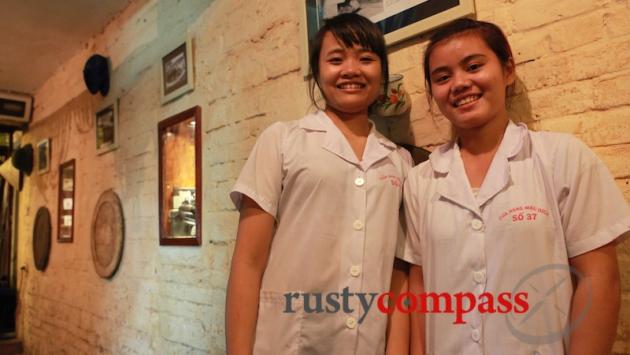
<point x="279" y="324"/>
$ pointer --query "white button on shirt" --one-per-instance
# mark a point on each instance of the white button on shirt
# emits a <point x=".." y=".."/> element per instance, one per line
<point x="351" y="322"/>
<point x="476" y="335"/>
<point x="333" y="211"/>
<point x="479" y="276"/>
<point x="476" y="224"/>
<point x="546" y="198"/>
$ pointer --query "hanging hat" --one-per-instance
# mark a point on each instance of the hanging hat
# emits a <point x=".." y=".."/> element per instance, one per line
<point x="96" y="74"/>
<point x="22" y="159"/>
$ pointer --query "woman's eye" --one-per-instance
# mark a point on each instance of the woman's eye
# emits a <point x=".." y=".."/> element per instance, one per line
<point x="335" y="60"/>
<point x="440" y="78"/>
<point x="474" y="66"/>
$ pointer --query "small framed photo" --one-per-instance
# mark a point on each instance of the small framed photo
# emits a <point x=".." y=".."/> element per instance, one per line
<point x="399" y="19"/>
<point x="177" y="72"/>
<point x="65" y="225"/>
<point x="107" y="128"/>
<point x="43" y="156"/>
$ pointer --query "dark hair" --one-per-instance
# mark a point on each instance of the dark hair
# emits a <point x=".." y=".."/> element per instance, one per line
<point x="349" y="29"/>
<point x="490" y="33"/>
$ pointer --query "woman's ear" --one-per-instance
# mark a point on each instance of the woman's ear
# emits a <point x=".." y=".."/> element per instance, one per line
<point x="509" y="71"/>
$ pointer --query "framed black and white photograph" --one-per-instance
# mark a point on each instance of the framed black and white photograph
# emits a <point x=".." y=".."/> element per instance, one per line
<point x="177" y="72"/>
<point x="107" y="128"/>
<point x="398" y="19"/>
<point x="43" y="156"/>
<point x="65" y="222"/>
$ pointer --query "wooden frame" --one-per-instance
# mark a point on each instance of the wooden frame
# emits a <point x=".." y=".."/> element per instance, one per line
<point x="43" y="156"/>
<point x="106" y="123"/>
<point x="177" y="72"/>
<point x="180" y="197"/>
<point x="67" y="188"/>
<point x="402" y="20"/>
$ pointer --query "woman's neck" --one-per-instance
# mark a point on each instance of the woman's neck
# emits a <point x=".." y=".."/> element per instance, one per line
<point x="354" y="124"/>
<point x="484" y="139"/>
<point x="478" y="147"/>
<point x="354" y="127"/>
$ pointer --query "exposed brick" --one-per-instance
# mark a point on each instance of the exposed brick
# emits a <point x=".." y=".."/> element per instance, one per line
<point x="575" y="32"/>
<point x="624" y="186"/>
<point x="530" y="45"/>
<point x="565" y="99"/>
<point x="592" y="61"/>
<point x="595" y="128"/>
<point x="610" y="155"/>
<point x="612" y="90"/>
<point x="533" y="13"/>
<point x="616" y="20"/>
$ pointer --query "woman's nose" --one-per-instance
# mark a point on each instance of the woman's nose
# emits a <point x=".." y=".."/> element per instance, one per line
<point x="461" y="82"/>
<point x="350" y="67"/>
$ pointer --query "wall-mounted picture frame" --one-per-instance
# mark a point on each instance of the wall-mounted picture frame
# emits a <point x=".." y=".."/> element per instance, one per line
<point x="67" y="188"/>
<point x="177" y="72"/>
<point x="106" y="123"/>
<point x="399" y="20"/>
<point x="43" y="156"/>
<point x="179" y="147"/>
<point x="15" y="109"/>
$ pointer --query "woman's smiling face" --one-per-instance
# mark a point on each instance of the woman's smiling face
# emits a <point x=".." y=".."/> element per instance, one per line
<point x="468" y="81"/>
<point x="349" y="77"/>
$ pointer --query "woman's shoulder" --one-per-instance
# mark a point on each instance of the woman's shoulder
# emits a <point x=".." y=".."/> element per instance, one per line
<point x="560" y="146"/>
<point x="282" y="129"/>
<point x="565" y="156"/>
<point x="557" y="140"/>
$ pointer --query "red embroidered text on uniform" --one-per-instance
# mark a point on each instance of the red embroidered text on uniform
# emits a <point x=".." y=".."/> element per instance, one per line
<point x="394" y="180"/>
<point x="523" y="213"/>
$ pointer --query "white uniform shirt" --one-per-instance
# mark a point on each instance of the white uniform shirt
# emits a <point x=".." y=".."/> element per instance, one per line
<point x="546" y="198"/>
<point x="337" y="225"/>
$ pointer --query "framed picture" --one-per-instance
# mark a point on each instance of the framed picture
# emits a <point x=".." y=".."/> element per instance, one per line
<point x="67" y="186"/>
<point x="15" y="109"/>
<point x="43" y="156"/>
<point x="107" y="128"/>
<point x="179" y="178"/>
<point x="177" y="72"/>
<point x="398" y="19"/>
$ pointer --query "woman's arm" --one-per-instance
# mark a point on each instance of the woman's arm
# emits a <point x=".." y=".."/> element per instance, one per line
<point x="253" y="240"/>
<point x="595" y="333"/>
<point x="416" y="286"/>
<point x="398" y="322"/>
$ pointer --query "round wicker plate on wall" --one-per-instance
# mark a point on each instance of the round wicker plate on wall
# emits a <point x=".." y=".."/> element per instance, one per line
<point x="108" y="234"/>
<point x="41" y="238"/>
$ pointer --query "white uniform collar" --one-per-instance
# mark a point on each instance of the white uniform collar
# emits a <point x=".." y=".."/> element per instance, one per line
<point x="455" y="186"/>
<point x="511" y="145"/>
<point x="377" y="147"/>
